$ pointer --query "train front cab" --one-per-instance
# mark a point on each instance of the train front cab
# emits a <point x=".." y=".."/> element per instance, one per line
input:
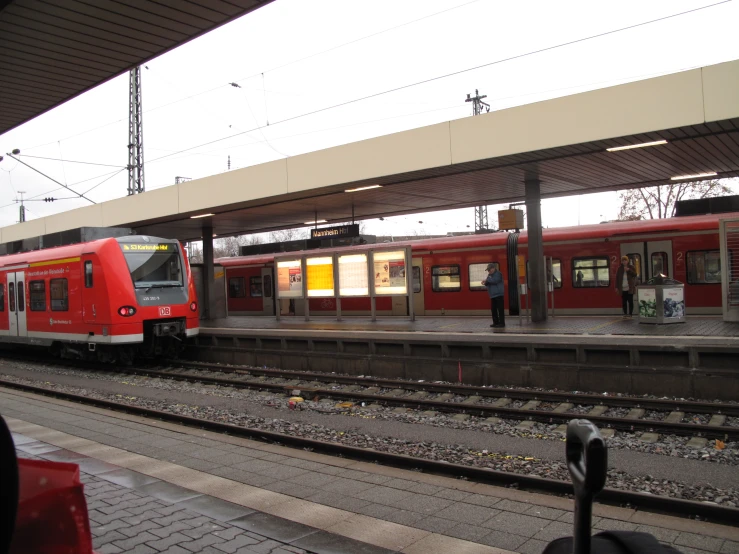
<point x="162" y="303"/>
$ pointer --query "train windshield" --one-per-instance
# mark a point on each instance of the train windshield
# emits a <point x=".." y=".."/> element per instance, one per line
<point x="154" y="265"/>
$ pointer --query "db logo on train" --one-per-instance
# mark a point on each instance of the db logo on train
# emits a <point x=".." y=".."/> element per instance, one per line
<point x="164" y="310"/>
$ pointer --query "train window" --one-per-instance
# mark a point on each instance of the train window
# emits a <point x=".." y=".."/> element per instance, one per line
<point x="11" y="297"/>
<point x="88" y="274"/>
<point x="635" y="260"/>
<point x="554" y="273"/>
<point x="590" y="272"/>
<point x="58" y="295"/>
<point x="37" y="292"/>
<point x="478" y="273"/>
<point x="21" y="297"/>
<point x="659" y="264"/>
<point x="704" y="267"/>
<point x="255" y="287"/>
<point x="416" y="279"/>
<point x="236" y="287"/>
<point x="2" y="298"/>
<point x="445" y="278"/>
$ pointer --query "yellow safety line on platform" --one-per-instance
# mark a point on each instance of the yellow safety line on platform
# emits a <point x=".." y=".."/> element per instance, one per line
<point x="606" y="324"/>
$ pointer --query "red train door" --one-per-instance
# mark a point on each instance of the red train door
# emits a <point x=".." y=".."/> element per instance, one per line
<point x="17" y="304"/>
<point x="89" y="313"/>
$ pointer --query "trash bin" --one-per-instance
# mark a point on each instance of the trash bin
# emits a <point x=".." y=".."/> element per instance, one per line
<point x="661" y="300"/>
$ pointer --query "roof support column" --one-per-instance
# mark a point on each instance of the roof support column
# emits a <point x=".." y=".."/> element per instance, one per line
<point x="209" y="282"/>
<point x="537" y="273"/>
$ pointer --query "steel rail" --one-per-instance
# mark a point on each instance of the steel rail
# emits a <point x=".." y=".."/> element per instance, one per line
<point x="674" y="506"/>
<point x="684" y="429"/>
<point x="495" y="392"/>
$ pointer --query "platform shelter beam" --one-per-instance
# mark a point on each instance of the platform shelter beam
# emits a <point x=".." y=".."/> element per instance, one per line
<point x="209" y="282"/>
<point x="537" y="271"/>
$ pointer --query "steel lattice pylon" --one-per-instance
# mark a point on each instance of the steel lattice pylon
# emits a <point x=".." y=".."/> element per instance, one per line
<point x="135" y="134"/>
<point x="481" y="218"/>
<point x="481" y="212"/>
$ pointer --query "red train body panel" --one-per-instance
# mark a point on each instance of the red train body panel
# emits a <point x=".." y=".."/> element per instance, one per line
<point x="134" y="293"/>
<point x="585" y="260"/>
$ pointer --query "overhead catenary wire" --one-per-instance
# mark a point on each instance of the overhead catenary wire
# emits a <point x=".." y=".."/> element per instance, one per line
<point x="155" y="108"/>
<point x="52" y="179"/>
<point x="459" y="72"/>
<point x="105" y="180"/>
<point x="71" y="161"/>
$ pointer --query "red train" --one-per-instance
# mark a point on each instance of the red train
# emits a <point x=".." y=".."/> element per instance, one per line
<point x="447" y="271"/>
<point x="104" y="300"/>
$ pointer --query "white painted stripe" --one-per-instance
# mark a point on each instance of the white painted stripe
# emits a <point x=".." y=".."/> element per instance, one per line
<point x="193" y="332"/>
<point x="79" y="337"/>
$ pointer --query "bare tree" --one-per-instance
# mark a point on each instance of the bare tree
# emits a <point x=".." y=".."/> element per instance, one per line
<point x="195" y="253"/>
<point x="231" y="246"/>
<point x="659" y="202"/>
<point x="285" y="235"/>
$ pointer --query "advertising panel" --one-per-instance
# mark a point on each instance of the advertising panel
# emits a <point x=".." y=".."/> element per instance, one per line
<point x="353" y="275"/>
<point x="389" y="272"/>
<point x="320" y="276"/>
<point x="674" y="302"/>
<point x="647" y="302"/>
<point x="289" y="279"/>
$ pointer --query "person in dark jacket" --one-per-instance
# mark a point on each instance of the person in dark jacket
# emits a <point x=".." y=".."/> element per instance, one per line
<point x="495" y="286"/>
<point x="626" y="285"/>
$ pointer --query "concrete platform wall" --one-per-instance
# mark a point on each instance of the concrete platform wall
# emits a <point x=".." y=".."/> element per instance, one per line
<point x="708" y="372"/>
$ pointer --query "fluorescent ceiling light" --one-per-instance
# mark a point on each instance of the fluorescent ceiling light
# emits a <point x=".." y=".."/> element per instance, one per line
<point x="696" y="176"/>
<point x="364" y="188"/>
<point x="201" y="215"/>
<point x="630" y="146"/>
<point x="314" y="222"/>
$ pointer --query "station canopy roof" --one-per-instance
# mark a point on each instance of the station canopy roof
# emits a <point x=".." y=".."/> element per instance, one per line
<point x="690" y="118"/>
<point x="54" y="50"/>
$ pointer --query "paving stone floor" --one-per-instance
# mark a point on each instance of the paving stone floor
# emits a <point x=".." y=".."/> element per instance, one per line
<point x="483" y="514"/>
<point x="131" y="514"/>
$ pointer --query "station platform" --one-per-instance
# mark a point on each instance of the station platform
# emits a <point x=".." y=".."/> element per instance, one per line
<point x="159" y="487"/>
<point x="572" y="326"/>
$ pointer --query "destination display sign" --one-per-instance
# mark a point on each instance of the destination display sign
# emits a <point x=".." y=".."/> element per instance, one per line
<point x="510" y="219"/>
<point x="157" y="247"/>
<point x="342" y="231"/>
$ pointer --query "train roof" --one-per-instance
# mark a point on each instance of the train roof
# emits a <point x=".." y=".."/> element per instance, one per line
<point x="609" y="230"/>
<point x="69" y="250"/>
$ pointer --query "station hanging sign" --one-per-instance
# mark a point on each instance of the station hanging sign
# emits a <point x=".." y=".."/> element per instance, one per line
<point x="389" y="271"/>
<point x="289" y="279"/>
<point x="342" y="231"/>
<point x="510" y="220"/>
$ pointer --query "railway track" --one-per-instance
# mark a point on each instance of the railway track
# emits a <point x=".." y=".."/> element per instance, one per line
<point x="482" y="402"/>
<point x="664" y="504"/>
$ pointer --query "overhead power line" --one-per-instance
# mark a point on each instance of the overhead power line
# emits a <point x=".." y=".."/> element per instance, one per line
<point x="71" y="161"/>
<point x="447" y="75"/>
<point x="52" y="179"/>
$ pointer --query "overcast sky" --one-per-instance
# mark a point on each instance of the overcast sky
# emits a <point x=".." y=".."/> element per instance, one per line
<point x="293" y="57"/>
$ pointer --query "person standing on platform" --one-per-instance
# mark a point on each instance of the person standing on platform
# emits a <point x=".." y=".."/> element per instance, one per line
<point x="626" y="285"/>
<point x="495" y="286"/>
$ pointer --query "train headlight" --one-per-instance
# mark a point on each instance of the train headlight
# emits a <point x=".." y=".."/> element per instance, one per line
<point x="193" y="306"/>
<point x="126" y="311"/>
